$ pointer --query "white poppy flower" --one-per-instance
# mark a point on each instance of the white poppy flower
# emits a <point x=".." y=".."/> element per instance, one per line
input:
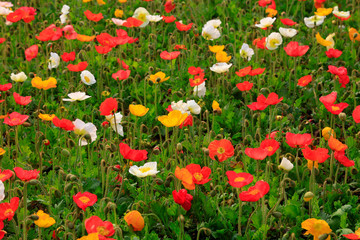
<point x="115" y="125"/>
<point x="285" y="165"/>
<point x="87" y="77"/>
<point x="214" y="23"/>
<point x="200" y="90"/>
<point x="118" y="22"/>
<point x="288" y="32"/>
<point x="154" y="18"/>
<point x="180" y="106"/>
<point x="193" y="107"/>
<point x="210" y="33"/>
<point x="6" y="4"/>
<point x="220" y="67"/>
<point x="20" y="77"/>
<point x="76" y="96"/>
<point x="2" y="191"/>
<point x="148" y="169"/>
<point x="330" y="39"/>
<point x="310" y="22"/>
<point x="141" y="14"/>
<point x="340" y="14"/>
<point x="82" y="129"/>
<point x="265" y="22"/>
<point x="54" y="60"/>
<point x="5" y="11"/>
<point x="246" y="51"/>
<point x="273" y="41"/>
<point x="65" y="9"/>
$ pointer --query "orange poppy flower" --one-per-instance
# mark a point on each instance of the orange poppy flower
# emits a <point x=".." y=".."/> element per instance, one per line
<point x="135" y="220"/>
<point x="85" y="38"/>
<point x="186" y="178"/>
<point x="336" y="145"/>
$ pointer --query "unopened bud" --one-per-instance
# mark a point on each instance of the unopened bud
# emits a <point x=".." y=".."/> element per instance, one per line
<point x="308" y="196"/>
<point x="34" y="217"/>
<point x="68" y="187"/>
<point x="65" y="153"/>
<point x="342" y="116"/>
<point x="34" y="182"/>
<point x="323" y="236"/>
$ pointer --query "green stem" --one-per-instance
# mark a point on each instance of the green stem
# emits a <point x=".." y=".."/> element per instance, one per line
<point x="25" y="210"/>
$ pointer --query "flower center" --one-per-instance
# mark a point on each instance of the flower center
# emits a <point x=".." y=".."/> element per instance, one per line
<point x="84" y="199"/>
<point x="334" y="108"/>
<point x="254" y="192"/>
<point x="270" y="148"/>
<point x="142" y="17"/>
<point x="102" y="231"/>
<point x="9" y="212"/>
<point x="198" y="177"/>
<point x="87" y="79"/>
<point x="221" y="150"/>
<point x="144" y="169"/>
<point x="274" y="42"/>
<point x="243" y="53"/>
<point x="239" y="179"/>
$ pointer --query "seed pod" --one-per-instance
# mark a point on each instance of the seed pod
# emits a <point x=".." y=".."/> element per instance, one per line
<point x="34" y="217"/>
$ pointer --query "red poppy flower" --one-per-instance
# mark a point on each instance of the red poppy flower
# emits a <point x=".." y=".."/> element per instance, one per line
<point x="92" y="16"/>
<point x="7" y="210"/>
<point x="84" y="200"/>
<point x="342" y="18"/>
<point x="27" y="14"/>
<point x="333" y="53"/>
<point x="103" y="49"/>
<point x="195" y="70"/>
<point x="257" y="106"/>
<point x="81" y="66"/>
<point x="353" y="236"/>
<point x="223" y="149"/>
<point x="132" y="154"/>
<point x="337" y="71"/>
<point x="272" y="135"/>
<point x="26" y="175"/>
<point x="294" y="50"/>
<point x="51" y="33"/>
<point x="257" y="153"/>
<point x="197" y="80"/>
<point x="69" y="32"/>
<point x="123" y="64"/>
<point x="260" y="42"/>
<point x="272" y="99"/>
<point x="244" y="86"/>
<point x="183" y="27"/>
<point x="187" y="122"/>
<point x="256" y="192"/>
<point x="169" y="55"/>
<point x="5" y="87"/>
<point x="31" y="52"/>
<point x="132" y="22"/>
<point x="264" y="3"/>
<point x="343" y="160"/>
<point x="5" y="175"/>
<point x="244" y="71"/>
<point x="304" y="81"/>
<point x="317" y="155"/>
<point x="328" y="99"/>
<point x="180" y="47"/>
<point x="66" y="57"/>
<point x="287" y="22"/>
<point x="169" y="6"/>
<point x="239" y="180"/>
<point x="2" y="232"/>
<point x="270" y="145"/>
<point x="2" y="40"/>
<point x="121" y="74"/>
<point x="65" y="124"/>
<point x="169" y="19"/>
<point x="108" y="106"/>
<point x="200" y="175"/>
<point x="336" y="109"/>
<point x="256" y="71"/>
<point x="106" y="39"/>
<point x="15" y="119"/>
<point x="94" y="224"/>
<point x="21" y="100"/>
<point x="298" y="140"/>
<point x="183" y="198"/>
<point x="356" y="114"/>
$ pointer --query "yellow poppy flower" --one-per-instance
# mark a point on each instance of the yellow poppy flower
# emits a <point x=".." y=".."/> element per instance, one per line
<point x="84" y="38"/>
<point x="216" y="106"/>
<point x="322" y="41"/>
<point x="330" y="39"/>
<point x="40" y="84"/>
<point x="158" y="77"/>
<point x="85" y="1"/>
<point x="91" y="236"/>
<point x="323" y="11"/>
<point x="122" y="1"/>
<point x="316" y="227"/>
<point x="119" y="13"/>
<point x="174" y="118"/>
<point x="216" y="48"/>
<point x="46" y="117"/>
<point x="2" y="151"/>
<point x="311" y="164"/>
<point x="271" y="12"/>
<point x="222" y="56"/>
<point x="138" y="110"/>
<point x="327" y="133"/>
<point x="44" y="220"/>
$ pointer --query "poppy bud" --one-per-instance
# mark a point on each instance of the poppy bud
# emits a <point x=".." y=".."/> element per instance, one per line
<point x="73" y="177"/>
<point x="117" y="168"/>
<point x="103" y="163"/>
<point x="218" y="137"/>
<point x="70" y="225"/>
<point x="342" y="116"/>
<point x="34" y="182"/>
<point x="354" y="171"/>
<point x="279" y="118"/>
<point x="111" y="206"/>
<point x="156" y="150"/>
<point x="18" y="191"/>
<point x="168" y="181"/>
<point x="34" y="217"/>
<point x="68" y="187"/>
<point x="179" y="147"/>
<point x="277" y="214"/>
<point x="308" y="196"/>
<point x="159" y="181"/>
<point x="206" y="151"/>
<point x="181" y="218"/>
<point x="323" y="236"/>
<point x="57" y="193"/>
<point x="113" y="148"/>
<point x="26" y="124"/>
<point x="292" y="237"/>
<point x="46" y="142"/>
<point x="213" y="193"/>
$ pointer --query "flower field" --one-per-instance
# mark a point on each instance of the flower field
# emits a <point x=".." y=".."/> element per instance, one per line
<point x="168" y="119"/>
